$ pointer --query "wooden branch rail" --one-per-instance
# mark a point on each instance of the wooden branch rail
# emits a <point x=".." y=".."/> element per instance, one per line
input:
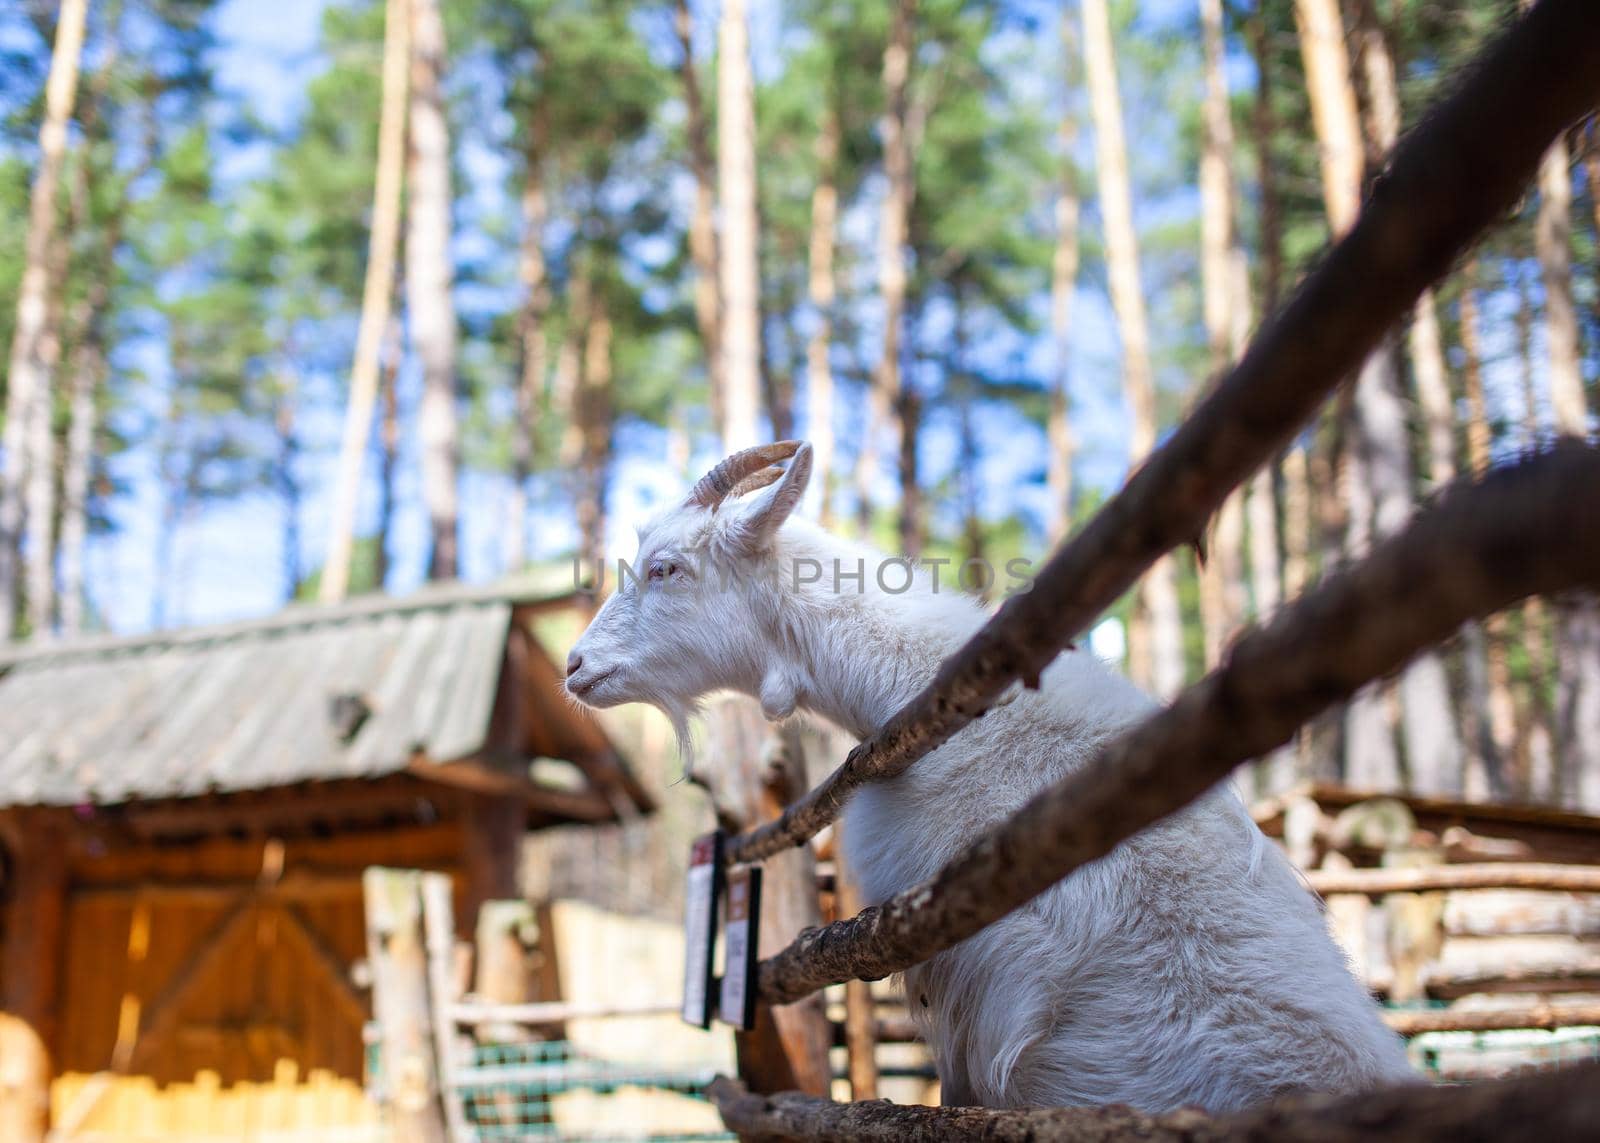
<point x="552" y="1012"/>
<point x="1532" y="527"/>
<point x="1536" y="1108"/>
<point x="1537" y="1016"/>
<point x="1434" y="878"/>
<point x="1462" y="169"/>
<point x="901" y="1030"/>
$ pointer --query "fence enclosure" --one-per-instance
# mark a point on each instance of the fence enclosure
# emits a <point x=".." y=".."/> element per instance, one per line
<point x="1532" y="528"/>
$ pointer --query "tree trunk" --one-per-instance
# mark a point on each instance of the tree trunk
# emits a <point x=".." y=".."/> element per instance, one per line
<point x="1272" y="578"/>
<point x="1433" y="747"/>
<point x="1371" y="758"/>
<point x="1500" y="769"/>
<point x="1063" y="281"/>
<point x="88" y="366"/>
<point x="1535" y="739"/>
<point x="594" y="414"/>
<point x="754" y="770"/>
<point x="884" y="400"/>
<point x="39" y="519"/>
<point x="287" y="481"/>
<point x="1425" y="342"/>
<point x="532" y="342"/>
<point x="388" y="451"/>
<point x="736" y="187"/>
<point x="383" y="243"/>
<point x="88" y="374"/>
<point x="776" y="376"/>
<point x="429" y="274"/>
<point x="28" y="377"/>
<point x="1155" y="638"/>
<point x="1578" y="617"/>
<point x="822" y="290"/>
<point x="702" y="225"/>
<point x="1380" y="495"/>
<point x="1222" y="574"/>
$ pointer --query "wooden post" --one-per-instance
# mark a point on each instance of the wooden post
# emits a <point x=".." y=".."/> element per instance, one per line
<point x="758" y="769"/>
<point x="1416" y="926"/>
<point x="491" y="855"/>
<point x="788" y="1047"/>
<point x="401" y="1002"/>
<point x="860" y="1019"/>
<point x="506" y="963"/>
<point x="36" y="876"/>
<point x="439" y="939"/>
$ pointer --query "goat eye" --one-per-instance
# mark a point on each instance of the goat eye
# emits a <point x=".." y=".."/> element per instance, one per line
<point x="661" y="570"/>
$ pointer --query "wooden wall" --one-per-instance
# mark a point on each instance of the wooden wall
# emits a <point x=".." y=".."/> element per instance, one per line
<point x="207" y="986"/>
<point x="230" y="985"/>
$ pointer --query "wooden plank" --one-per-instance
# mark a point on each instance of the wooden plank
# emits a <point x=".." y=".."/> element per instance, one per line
<point x="1493" y="875"/>
<point x="476" y="1011"/>
<point x="439" y="937"/>
<point x="30" y="972"/>
<point x="1536" y="1015"/>
<point x="400" y="998"/>
<point x="328" y="965"/>
<point x="302" y="886"/>
<point x="286" y="809"/>
<point x="491" y="855"/>
<point x="160" y="1016"/>
<point x="109" y="858"/>
<point x="860" y="1022"/>
<point x="1520" y="912"/>
<point x="485" y="776"/>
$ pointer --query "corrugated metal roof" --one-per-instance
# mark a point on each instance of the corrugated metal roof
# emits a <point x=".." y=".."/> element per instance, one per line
<point x="248" y="705"/>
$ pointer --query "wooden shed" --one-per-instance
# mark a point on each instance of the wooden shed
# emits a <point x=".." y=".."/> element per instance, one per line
<point x="185" y="818"/>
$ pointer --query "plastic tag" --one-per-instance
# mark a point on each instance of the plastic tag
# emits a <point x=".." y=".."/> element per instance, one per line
<point x="700" y="928"/>
<point x="740" y="942"/>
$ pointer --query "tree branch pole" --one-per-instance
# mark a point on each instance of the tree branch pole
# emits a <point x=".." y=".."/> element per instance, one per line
<point x="1548" y="877"/>
<point x="1458" y="172"/>
<point x="1523" y="1016"/>
<point x="1533" y="527"/>
<point x="1549" y="1105"/>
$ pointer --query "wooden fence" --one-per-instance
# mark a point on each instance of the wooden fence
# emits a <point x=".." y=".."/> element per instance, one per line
<point x="1531" y="528"/>
<point x="495" y="1062"/>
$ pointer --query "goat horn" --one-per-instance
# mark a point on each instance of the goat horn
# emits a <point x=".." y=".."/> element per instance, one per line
<point x="740" y="473"/>
<point x="755" y="480"/>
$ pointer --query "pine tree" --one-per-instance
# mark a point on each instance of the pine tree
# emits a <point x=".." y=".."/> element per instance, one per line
<point x="29" y="472"/>
<point x="1155" y="637"/>
<point x="430" y="303"/>
<point x="377" y="296"/>
<point x="740" y="339"/>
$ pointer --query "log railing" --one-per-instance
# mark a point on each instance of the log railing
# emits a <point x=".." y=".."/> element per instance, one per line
<point x="1530" y="528"/>
<point x="1536" y="1108"/>
<point x="1542" y="876"/>
<point x="1462" y="169"/>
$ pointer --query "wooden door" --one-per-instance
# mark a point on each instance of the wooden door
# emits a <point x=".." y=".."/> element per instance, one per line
<point x="211" y="1010"/>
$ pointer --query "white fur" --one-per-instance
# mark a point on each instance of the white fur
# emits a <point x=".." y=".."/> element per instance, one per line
<point x="1190" y="966"/>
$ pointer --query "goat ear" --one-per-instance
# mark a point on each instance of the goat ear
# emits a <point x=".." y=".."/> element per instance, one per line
<point x="763" y="512"/>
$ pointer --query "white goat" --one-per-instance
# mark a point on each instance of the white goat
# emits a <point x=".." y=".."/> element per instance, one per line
<point x="1190" y="966"/>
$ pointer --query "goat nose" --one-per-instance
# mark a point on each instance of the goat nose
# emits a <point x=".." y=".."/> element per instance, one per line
<point x="574" y="663"/>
